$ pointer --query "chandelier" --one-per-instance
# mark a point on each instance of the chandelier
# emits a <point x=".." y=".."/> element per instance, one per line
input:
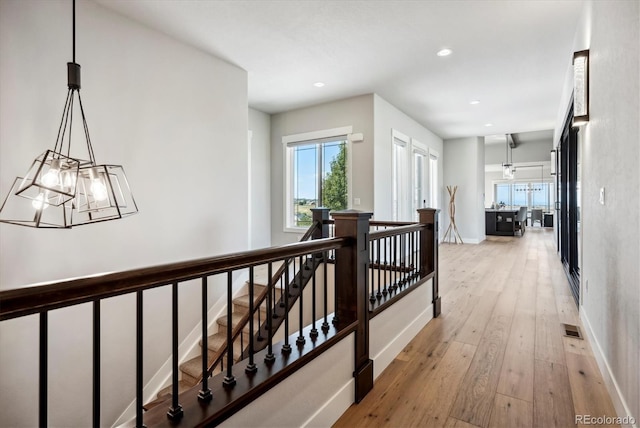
<point x="60" y="190"/>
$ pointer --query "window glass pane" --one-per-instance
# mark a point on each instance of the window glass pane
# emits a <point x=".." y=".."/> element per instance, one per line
<point x="433" y="181"/>
<point x="520" y="193"/>
<point x="419" y="198"/>
<point x="334" y="175"/>
<point x="305" y="189"/>
<point x="503" y="194"/>
<point x="317" y="177"/>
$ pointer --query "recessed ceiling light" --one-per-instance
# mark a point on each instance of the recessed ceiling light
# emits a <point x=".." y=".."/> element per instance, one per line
<point x="488" y="124"/>
<point x="444" y="52"/>
<point x="318" y="84"/>
<point x="474" y="102"/>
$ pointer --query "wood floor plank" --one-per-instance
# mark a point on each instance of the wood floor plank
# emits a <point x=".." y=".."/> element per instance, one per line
<point x="475" y="399"/>
<point x="587" y="386"/>
<point x="430" y="407"/>
<point x="552" y="401"/>
<point x="475" y="325"/>
<point x="567" y="310"/>
<point x="576" y="346"/>
<point x="548" y="342"/>
<point x="516" y="377"/>
<point x="511" y="412"/>
<point x="457" y="423"/>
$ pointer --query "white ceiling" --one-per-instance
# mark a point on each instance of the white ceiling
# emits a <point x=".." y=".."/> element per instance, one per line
<point x="510" y="55"/>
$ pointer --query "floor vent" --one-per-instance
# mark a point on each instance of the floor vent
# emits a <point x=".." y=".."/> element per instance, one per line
<point x="572" y="331"/>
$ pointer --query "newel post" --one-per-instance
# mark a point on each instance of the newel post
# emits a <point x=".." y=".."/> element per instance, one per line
<point x="429" y="251"/>
<point x="352" y="265"/>
<point x="319" y="215"/>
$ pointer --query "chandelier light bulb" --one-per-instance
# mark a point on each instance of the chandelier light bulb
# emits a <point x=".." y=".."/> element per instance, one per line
<point x="52" y="177"/>
<point x="39" y="203"/>
<point x="99" y="190"/>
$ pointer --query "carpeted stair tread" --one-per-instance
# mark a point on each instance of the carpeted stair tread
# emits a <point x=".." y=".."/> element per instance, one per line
<point x="215" y="341"/>
<point x="241" y="304"/>
<point x="193" y="367"/>
<point x="235" y="320"/>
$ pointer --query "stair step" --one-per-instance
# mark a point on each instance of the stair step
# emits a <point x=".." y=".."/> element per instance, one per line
<point x="241" y="304"/>
<point x="193" y="369"/>
<point x="165" y="392"/>
<point x="235" y="320"/>
<point x="216" y="341"/>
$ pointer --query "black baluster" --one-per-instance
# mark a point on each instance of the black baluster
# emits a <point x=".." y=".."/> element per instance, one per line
<point x="139" y="355"/>
<point x="379" y="294"/>
<point x="229" y="380"/>
<point x="394" y="261"/>
<point x="269" y="358"/>
<point x="251" y="367"/>
<point x="401" y="261"/>
<point x="204" y="395"/>
<point x="96" y="363"/>
<point x="300" y="340"/>
<point x="286" y="348"/>
<point x="175" y="411"/>
<point x="372" y="293"/>
<point x="386" y="263"/>
<point x="43" y="399"/>
<point x="314" y="331"/>
<point x="325" y="324"/>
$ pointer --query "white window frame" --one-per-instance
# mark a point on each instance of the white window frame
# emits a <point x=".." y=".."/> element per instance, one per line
<point x="434" y="180"/>
<point x="299" y="139"/>
<point x="417" y="148"/>
<point x="400" y="178"/>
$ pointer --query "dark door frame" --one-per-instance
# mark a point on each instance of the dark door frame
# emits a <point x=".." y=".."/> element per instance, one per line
<point x="568" y="220"/>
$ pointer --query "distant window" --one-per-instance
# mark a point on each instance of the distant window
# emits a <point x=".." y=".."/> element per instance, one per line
<point x="527" y="194"/>
<point x="316" y="175"/>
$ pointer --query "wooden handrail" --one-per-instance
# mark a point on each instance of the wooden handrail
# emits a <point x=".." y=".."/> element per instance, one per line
<point x="411" y="227"/>
<point x="30" y="300"/>
<point x="391" y="223"/>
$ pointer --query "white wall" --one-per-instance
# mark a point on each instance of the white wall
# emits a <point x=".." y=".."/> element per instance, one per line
<point x="176" y="118"/>
<point x="531" y="151"/>
<point x="610" y="271"/>
<point x="388" y="118"/>
<point x="464" y="167"/>
<point x="356" y="112"/>
<point x="259" y="179"/>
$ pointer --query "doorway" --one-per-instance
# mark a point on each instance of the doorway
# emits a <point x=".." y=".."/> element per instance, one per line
<point x="569" y="198"/>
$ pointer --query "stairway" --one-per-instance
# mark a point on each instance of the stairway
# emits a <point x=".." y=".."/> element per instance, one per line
<point x="191" y="370"/>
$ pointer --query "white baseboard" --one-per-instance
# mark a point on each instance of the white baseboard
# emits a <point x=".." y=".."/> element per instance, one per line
<point x="333" y="408"/>
<point x="620" y="404"/>
<point x="384" y="357"/>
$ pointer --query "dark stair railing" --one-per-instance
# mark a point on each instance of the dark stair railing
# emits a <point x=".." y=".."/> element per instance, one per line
<point x="254" y="307"/>
<point x="218" y="397"/>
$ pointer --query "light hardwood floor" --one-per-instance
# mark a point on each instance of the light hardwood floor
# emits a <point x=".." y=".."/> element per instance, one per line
<point x="497" y="355"/>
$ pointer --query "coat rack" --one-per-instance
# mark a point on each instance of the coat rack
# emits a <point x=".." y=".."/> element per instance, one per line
<point x="452" y="230"/>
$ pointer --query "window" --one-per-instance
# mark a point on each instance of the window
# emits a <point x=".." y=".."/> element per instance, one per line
<point x="433" y="179"/>
<point x="316" y="176"/>
<point x="527" y="194"/>
<point x="400" y="172"/>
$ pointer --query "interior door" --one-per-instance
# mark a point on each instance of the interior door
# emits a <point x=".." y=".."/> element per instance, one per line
<point x="569" y="223"/>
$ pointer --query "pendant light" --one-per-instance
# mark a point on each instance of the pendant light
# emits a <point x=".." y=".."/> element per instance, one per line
<point x="507" y="167"/>
<point x="61" y="190"/>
